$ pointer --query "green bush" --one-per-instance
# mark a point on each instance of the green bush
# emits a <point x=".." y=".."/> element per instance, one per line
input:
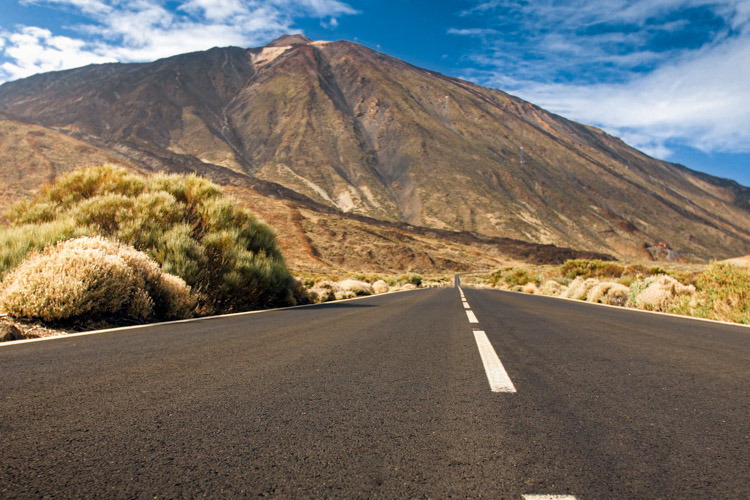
<point x="228" y="257"/>
<point x="513" y="277"/>
<point x="414" y="279"/>
<point x="17" y="242"/>
<point x="723" y="294"/>
<point x="574" y="268"/>
<point x="93" y="279"/>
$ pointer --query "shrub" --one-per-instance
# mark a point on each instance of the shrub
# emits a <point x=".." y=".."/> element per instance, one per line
<point x="723" y="294"/>
<point x="16" y="243"/>
<point x="552" y="287"/>
<point x="380" y="286"/>
<point x="358" y="288"/>
<point x="413" y="279"/>
<point x="513" y="277"/>
<point x="579" y="288"/>
<point x="618" y="295"/>
<point x="574" y="268"/>
<point x="659" y="293"/>
<point x="324" y="291"/>
<point x="96" y="279"/>
<point x="518" y="277"/>
<point x="627" y="280"/>
<point x="223" y="252"/>
<point x="636" y="270"/>
<point x="608" y="292"/>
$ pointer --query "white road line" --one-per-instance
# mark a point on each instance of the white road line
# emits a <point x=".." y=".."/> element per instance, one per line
<point x="472" y="317"/>
<point x="466" y="305"/>
<point x="549" y="497"/>
<point x="496" y="374"/>
<point x="193" y="320"/>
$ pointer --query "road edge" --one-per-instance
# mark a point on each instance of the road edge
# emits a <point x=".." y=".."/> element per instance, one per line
<point x="196" y="320"/>
<point x="620" y="308"/>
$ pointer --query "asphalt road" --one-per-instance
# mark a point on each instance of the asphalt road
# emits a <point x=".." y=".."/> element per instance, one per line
<point x="384" y="397"/>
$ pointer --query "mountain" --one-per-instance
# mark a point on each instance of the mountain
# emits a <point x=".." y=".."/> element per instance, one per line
<point x="31" y="155"/>
<point x="313" y="238"/>
<point x="335" y="125"/>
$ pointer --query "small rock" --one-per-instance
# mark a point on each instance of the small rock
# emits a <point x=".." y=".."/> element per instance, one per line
<point x="9" y="331"/>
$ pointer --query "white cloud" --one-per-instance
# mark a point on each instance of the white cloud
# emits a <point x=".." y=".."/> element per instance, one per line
<point x="84" y="6"/>
<point x="651" y="98"/>
<point x="331" y="24"/>
<point x="31" y="50"/>
<point x="471" y="31"/>
<point x="316" y="8"/>
<point x="214" y="10"/>
<point x="701" y="101"/>
<point x="143" y="30"/>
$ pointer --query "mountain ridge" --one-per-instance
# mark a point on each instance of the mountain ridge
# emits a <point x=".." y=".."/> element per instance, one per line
<point x="367" y="134"/>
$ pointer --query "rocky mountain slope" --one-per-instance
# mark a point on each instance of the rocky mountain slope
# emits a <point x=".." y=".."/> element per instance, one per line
<point x="313" y="238"/>
<point x="342" y="127"/>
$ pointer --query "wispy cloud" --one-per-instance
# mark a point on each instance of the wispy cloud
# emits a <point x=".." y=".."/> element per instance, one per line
<point x="654" y="72"/>
<point x="472" y="31"/>
<point x="32" y="50"/>
<point x="141" y="30"/>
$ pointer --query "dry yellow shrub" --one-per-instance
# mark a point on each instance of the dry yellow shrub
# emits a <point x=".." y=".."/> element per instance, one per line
<point x="662" y="292"/>
<point x="609" y="292"/>
<point x="579" y="288"/>
<point x="92" y="278"/>
<point x="552" y="287"/>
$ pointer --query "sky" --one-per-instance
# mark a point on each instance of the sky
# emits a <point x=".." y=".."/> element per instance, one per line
<point x="670" y="77"/>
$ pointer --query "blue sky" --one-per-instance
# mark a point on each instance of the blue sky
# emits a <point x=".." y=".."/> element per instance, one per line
<point x="671" y="77"/>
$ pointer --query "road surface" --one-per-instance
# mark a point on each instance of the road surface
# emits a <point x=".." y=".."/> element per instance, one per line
<point x="388" y="396"/>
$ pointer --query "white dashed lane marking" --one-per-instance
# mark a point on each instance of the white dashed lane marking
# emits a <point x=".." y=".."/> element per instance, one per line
<point x="498" y="377"/>
<point x="496" y="374"/>
<point x="549" y="497"/>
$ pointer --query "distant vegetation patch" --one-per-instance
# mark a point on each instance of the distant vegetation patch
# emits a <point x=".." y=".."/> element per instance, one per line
<point x="228" y="258"/>
<point x="719" y="291"/>
<point x="723" y="293"/>
<point x="325" y="288"/>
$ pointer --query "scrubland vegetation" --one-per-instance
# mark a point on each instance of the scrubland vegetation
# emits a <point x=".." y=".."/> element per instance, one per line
<point x="719" y="291"/>
<point x="105" y="246"/>
<point x="96" y="279"/>
<point x="182" y="225"/>
<point x="324" y="288"/>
